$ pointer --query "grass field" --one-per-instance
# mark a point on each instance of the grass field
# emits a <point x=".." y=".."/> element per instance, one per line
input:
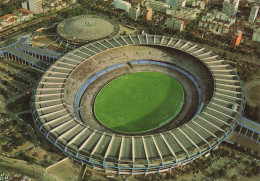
<point x="139" y="102"/>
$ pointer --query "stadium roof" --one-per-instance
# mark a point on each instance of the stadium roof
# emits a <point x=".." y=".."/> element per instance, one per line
<point x="85" y="28"/>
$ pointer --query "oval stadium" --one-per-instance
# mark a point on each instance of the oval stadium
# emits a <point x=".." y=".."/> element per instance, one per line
<point x="138" y="104"/>
<point x="79" y="30"/>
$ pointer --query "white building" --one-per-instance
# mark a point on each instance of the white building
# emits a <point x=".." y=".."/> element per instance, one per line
<point x="170" y="2"/>
<point x="134" y="12"/>
<point x="184" y="14"/>
<point x="192" y="10"/>
<point x="33" y="5"/>
<point x="25" y="5"/>
<point x="253" y="14"/>
<point x="123" y="5"/>
<point x="176" y="4"/>
<point x="230" y="7"/>
<point x="174" y="23"/>
<point x="157" y="6"/>
<point x="256" y="35"/>
<point x="216" y="22"/>
<point x="179" y="3"/>
<point x="196" y="3"/>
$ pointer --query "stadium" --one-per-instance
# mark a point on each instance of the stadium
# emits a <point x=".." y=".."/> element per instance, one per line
<point x="82" y="103"/>
<point x="79" y="30"/>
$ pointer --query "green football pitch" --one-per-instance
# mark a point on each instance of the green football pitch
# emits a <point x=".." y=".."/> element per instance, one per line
<point x="139" y="102"/>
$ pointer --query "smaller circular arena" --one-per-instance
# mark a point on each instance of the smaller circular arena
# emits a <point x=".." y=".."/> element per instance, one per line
<point x="80" y="30"/>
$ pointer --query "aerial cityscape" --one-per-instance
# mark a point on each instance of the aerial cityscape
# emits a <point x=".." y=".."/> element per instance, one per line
<point x="129" y="90"/>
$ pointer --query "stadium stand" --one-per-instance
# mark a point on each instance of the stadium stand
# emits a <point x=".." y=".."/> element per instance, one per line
<point x="137" y="154"/>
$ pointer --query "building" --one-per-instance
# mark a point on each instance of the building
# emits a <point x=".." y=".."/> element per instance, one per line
<point x="257" y="21"/>
<point x="33" y="5"/>
<point x="230" y="7"/>
<point x="175" y="24"/>
<point x="191" y="10"/>
<point x="175" y="4"/>
<point x="253" y="14"/>
<point x="170" y="2"/>
<point x="25" y="5"/>
<point x="19" y="15"/>
<point x="157" y="6"/>
<point x="183" y="13"/>
<point x="256" y="35"/>
<point x="134" y="12"/>
<point x="36" y="6"/>
<point x="9" y="19"/>
<point x="169" y="23"/>
<point x="206" y="1"/>
<point x="23" y="14"/>
<point x="216" y="22"/>
<point x="123" y="5"/>
<point x="199" y="4"/>
<point x="235" y="39"/>
<point x="148" y="14"/>
<point x="178" y="4"/>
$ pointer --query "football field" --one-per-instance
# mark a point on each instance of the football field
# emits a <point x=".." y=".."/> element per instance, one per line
<point x="139" y="102"/>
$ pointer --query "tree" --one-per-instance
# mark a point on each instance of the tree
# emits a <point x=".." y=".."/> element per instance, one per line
<point x="256" y="170"/>
<point x="233" y="154"/>
<point x="6" y="125"/>
<point x="28" y="136"/>
<point x="30" y="160"/>
<point x="234" y="178"/>
<point x="8" y="148"/>
<point x="249" y="174"/>
<point x="239" y="159"/>
<point x="168" y="176"/>
<point x="149" y="178"/>
<point x="18" y="141"/>
<point x="174" y="176"/>
<point x="23" y="128"/>
<point x="223" y="172"/>
<point x="215" y="175"/>
<point x="249" y="171"/>
<point x="3" y="139"/>
<point x="13" y="134"/>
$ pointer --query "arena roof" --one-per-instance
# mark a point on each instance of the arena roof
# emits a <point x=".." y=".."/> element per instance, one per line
<point x="86" y="28"/>
<point x="142" y="153"/>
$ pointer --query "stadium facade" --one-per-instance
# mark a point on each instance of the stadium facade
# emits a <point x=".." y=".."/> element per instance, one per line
<point x="59" y="111"/>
